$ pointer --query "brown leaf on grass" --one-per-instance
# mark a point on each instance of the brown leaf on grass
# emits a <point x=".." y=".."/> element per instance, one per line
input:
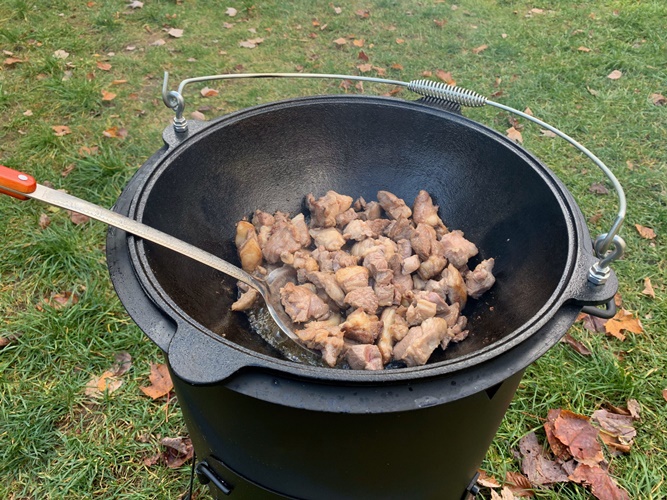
<point x="158" y="42"/>
<point x="578" y="434"/>
<point x="603" y="487"/>
<point x="61" y="130"/>
<point x="136" y="4"/>
<point x="231" y="11"/>
<point x="658" y="99"/>
<point x="44" y="221"/>
<point x="518" y="484"/>
<point x="614" y="446"/>
<point x="5" y="341"/>
<point x="358" y="43"/>
<point x="514" y="134"/>
<point x="61" y="54"/>
<point x="598" y="188"/>
<point x="251" y="43"/>
<point x="115" y="133"/>
<point x="122" y="363"/>
<point x="107" y="382"/>
<point x="177" y="451"/>
<point x="648" y="288"/>
<point x="645" y="232"/>
<point x="61" y="300"/>
<point x="583" y="49"/>
<point x="575" y="344"/>
<point x="363" y="13"/>
<point x="445" y="76"/>
<point x="380" y="71"/>
<point x="340" y="41"/>
<point x="160" y="380"/>
<point x="618" y="426"/>
<point x="108" y="96"/>
<point x="615" y="75"/>
<point x="634" y="408"/>
<point x="175" y="33"/>
<point x="152" y="460"/>
<point x="397" y="67"/>
<point x="547" y="133"/>
<point x="337" y="10"/>
<point x="364" y="68"/>
<point x="557" y="447"/>
<point x="104" y="66"/>
<point x="360" y="87"/>
<point x="664" y="394"/>
<point x="88" y="151"/>
<point x="67" y="170"/>
<point x="440" y="23"/>
<point x="207" y="92"/>
<point x="77" y="218"/>
<point x="11" y="61"/>
<point x="198" y="115"/>
<point x="118" y="82"/>
<point x="487" y="481"/>
<point x="479" y="49"/>
<point x="536" y="466"/>
<point x="400" y="41"/>
<point x="595" y="218"/>
<point x="362" y="56"/>
<point x="345" y="85"/>
<point x="623" y="320"/>
<point x="505" y="494"/>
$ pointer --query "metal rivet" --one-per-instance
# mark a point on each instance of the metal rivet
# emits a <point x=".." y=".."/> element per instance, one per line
<point x="23" y="177"/>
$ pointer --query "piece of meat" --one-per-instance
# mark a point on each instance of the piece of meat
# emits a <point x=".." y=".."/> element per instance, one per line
<point x="431" y="267"/>
<point x="455" y="332"/>
<point x="324" y="258"/>
<point x="361" y="327"/>
<point x="376" y="262"/>
<point x="261" y="218"/>
<point x="329" y="238"/>
<point x="401" y="229"/>
<point x="441" y="306"/>
<point x="352" y="277"/>
<point x="263" y="235"/>
<point x="420" y="342"/>
<point x="454" y="287"/>
<point x="417" y="282"/>
<point x="246" y="300"/>
<point x="327" y="282"/>
<point x="344" y="218"/>
<point x="324" y="210"/>
<point x="364" y="357"/>
<point x="457" y="249"/>
<point x="363" y="298"/>
<point x="423" y="240"/>
<point x="343" y="259"/>
<point x="301" y="259"/>
<point x="357" y="230"/>
<point x="393" y="206"/>
<point x="394" y="328"/>
<point x="247" y="246"/>
<point x="480" y="279"/>
<point x="386" y="293"/>
<point x="302" y="304"/>
<point x="301" y="230"/>
<point x="423" y="211"/>
<point x="404" y="248"/>
<point x="323" y="337"/>
<point x="419" y="311"/>
<point x="451" y="315"/>
<point x="377" y="226"/>
<point x="362" y="248"/>
<point x="284" y="237"/>
<point x="411" y="264"/>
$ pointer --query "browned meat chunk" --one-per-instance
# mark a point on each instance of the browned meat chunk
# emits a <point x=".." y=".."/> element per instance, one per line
<point x="401" y="229"/>
<point x="386" y="294"/>
<point x="364" y="357"/>
<point x="393" y="206"/>
<point x="343" y="259"/>
<point x="423" y="240"/>
<point x="375" y="261"/>
<point x="419" y="311"/>
<point x="454" y="287"/>
<point x="284" y="237"/>
<point x="368" y="211"/>
<point x="411" y="264"/>
<point x="323" y="337"/>
<point x="361" y="327"/>
<point x="432" y="267"/>
<point x="301" y="230"/>
<point x="457" y="249"/>
<point x="324" y="210"/>
<point x="301" y="259"/>
<point x="456" y="332"/>
<point x="394" y="328"/>
<point x="262" y="219"/>
<point x="404" y="248"/>
<point x="361" y="248"/>
<point x="363" y="298"/>
<point x="351" y="278"/>
<point x="480" y="279"/>
<point x="423" y="211"/>
<point x="246" y="300"/>
<point x="302" y="304"/>
<point x="328" y="283"/>
<point x="357" y="230"/>
<point x="441" y="306"/>
<point x="344" y="218"/>
<point x="329" y="238"/>
<point x="377" y="226"/>
<point x="420" y="342"/>
<point x="248" y="246"/>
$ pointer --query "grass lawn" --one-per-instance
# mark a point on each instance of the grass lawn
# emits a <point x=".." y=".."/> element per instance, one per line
<point x="64" y="59"/>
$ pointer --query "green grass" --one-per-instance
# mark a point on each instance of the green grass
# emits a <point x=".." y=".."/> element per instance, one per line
<point x="55" y="443"/>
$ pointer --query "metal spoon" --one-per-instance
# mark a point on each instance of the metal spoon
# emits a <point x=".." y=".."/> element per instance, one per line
<point x="23" y="186"/>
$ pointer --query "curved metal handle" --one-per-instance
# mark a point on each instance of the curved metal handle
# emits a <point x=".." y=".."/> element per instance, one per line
<point x="608" y="246"/>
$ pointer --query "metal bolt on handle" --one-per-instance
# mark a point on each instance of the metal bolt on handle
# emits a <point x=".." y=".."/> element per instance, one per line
<point x="608" y="246"/>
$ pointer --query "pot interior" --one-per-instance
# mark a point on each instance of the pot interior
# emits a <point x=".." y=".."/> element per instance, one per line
<point x="271" y="157"/>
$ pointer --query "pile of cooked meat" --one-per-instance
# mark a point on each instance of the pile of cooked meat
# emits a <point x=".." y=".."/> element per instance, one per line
<point x="376" y="281"/>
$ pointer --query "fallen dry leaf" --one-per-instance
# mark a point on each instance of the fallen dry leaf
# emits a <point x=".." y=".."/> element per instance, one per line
<point x="231" y="11"/>
<point x="61" y="54"/>
<point x="198" y="115"/>
<point x="77" y="218"/>
<point x="207" y="92"/>
<point x="602" y="485"/>
<point x="400" y="41"/>
<point x="535" y="464"/>
<point x="359" y="86"/>
<point x="340" y="41"/>
<point x="115" y="133"/>
<point x="362" y="56"/>
<point x="136" y="4"/>
<point x="104" y="66"/>
<point x="514" y="134"/>
<point x="623" y="320"/>
<point x="578" y="434"/>
<point x="251" y="43"/>
<point x="518" y="484"/>
<point x="445" y="76"/>
<point x="615" y="75"/>
<point x="118" y="82"/>
<point x="598" y="188"/>
<point x="5" y="341"/>
<point x="479" y="49"/>
<point x="61" y="130"/>
<point x="27" y="112"/>
<point x="487" y="481"/>
<point x="122" y="363"/>
<point x="364" y="67"/>
<point x="108" y="96"/>
<point x="88" y="151"/>
<point x="61" y="300"/>
<point x="583" y="49"/>
<point x="67" y="170"/>
<point x="175" y="33"/>
<point x="537" y="11"/>
<point x="505" y="494"/>
<point x="337" y="10"/>
<point x="178" y="451"/>
<point x="592" y="323"/>
<point x="158" y="42"/>
<point x="547" y="133"/>
<point x="634" y="408"/>
<point x="440" y="23"/>
<point x="618" y="426"/>
<point x="44" y="221"/>
<point x="664" y="394"/>
<point x="645" y="232"/>
<point x="396" y="66"/>
<point x="97" y="386"/>
<point x="575" y="344"/>
<point x="658" y="99"/>
<point x="363" y="13"/>
<point x="648" y="288"/>
<point x="11" y="61"/>
<point x="358" y="43"/>
<point x="160" y="380"/>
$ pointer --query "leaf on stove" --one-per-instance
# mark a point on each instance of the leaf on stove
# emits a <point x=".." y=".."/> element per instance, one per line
<point x="160" y="380"/>
<point x="648" y="288"/>
<point x="602" y="485"/>
<point x="575" y="344"/>
<point x="535" y="464"/>
<point x="645" y="232"/>
<point x="581" y="438"/>
<point x="177" y="451"/>
<point x="623" y="321"/>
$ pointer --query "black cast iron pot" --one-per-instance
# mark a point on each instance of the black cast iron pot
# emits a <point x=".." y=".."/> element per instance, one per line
<point x="265" y="427"/>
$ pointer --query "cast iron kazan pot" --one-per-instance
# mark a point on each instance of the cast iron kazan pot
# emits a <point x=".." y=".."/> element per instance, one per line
<point x="264" y="427"/>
